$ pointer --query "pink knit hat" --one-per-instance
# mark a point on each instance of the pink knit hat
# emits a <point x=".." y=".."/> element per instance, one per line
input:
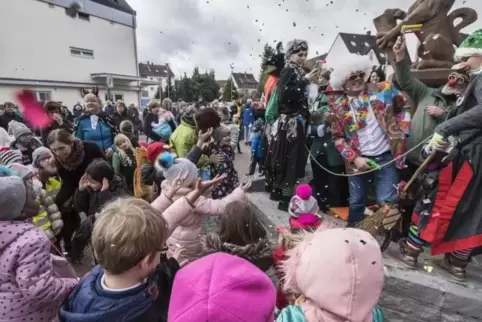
<point x="219" y="288"/>
<point x="340" y="273"/>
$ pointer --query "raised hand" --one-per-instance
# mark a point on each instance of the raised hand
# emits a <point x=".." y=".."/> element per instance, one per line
<point x="176" y="184"/>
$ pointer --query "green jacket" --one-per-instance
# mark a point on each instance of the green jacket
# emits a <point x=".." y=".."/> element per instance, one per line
<point x="183" y="139"/>
<point x="324" y="145"/>
<point x="422" y="124"/>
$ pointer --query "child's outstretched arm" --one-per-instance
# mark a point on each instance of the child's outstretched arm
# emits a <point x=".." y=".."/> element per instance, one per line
<point x="211" y="207"/>
<point x="35" y="275"/>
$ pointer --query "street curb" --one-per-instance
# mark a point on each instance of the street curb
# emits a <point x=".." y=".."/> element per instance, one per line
<point x="408" y="295"/>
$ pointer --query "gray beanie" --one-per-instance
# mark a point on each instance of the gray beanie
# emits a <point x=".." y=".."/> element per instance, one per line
<point x="40" y="154"/>
<point x="18" y="129"/>
<point x="220" y="132"/>
<point x="171" y="169"/>
<point x="13" y="196"/>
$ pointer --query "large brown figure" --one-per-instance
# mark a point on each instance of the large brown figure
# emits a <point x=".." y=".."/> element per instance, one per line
<point x="439" y="34"/>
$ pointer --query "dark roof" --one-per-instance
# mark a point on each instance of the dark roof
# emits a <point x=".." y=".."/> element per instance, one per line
<point x="221" y="83"/>
<point x="151" y="69"/>
<point x="245" y="80"/>
<point x="120" y="5"/>
<point x="362" y="44"/>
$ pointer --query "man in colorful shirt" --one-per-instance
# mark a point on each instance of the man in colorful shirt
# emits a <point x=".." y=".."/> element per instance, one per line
<point x="367" y="133"/>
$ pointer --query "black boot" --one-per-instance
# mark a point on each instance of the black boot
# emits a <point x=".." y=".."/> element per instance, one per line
<point x="284" y="203"/>
<point x="455" y="267"/>
<point x="408" y="255"/>
<point x="275" y="195"/>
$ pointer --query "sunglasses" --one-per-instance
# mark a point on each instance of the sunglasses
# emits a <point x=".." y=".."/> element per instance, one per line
<point x="356" y="76"/>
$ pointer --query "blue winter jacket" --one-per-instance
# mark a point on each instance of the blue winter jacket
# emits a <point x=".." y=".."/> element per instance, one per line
<point x="148" y="302"/>
<point x="103" y="134"/>
<point x="257" y="146"/>
<point x="248" y="115"/>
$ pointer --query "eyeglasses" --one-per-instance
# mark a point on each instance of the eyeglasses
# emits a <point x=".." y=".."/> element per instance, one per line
<point x="356" y="76"/>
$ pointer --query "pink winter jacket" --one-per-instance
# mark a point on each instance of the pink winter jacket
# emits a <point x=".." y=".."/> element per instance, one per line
<point x="29" y="289"/>
<point x="188" y="234"/>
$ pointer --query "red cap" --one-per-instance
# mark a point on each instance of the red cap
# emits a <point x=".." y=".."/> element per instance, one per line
<point x="156" y="148"/>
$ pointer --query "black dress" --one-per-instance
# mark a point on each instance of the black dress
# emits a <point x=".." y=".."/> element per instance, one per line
<point x="287" y="154"/>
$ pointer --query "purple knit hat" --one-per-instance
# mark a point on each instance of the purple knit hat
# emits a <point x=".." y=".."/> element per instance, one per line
<point x="222" y="287"/>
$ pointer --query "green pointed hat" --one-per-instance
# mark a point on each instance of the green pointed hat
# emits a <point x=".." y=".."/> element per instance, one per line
<point x="471" y="46"/>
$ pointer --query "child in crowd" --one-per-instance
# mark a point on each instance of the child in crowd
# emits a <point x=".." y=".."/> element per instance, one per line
<point x="337" y="275"/>
<point x="188" y="234"/>
<point x="31" y="288"/>
<point x="257" y="147"/>
<point x="303" y="209"/>
<point x="222" y="287"/>
<point x="240" y="233"/>
<point x="48" y="218"/>
<point x="8" y="156"/>
<point x="24" y="141"/>
<point x="233" y="128"/>
<point x="97" y="187"/>
<point x="132" y="281"/>
<point x="124" y="160"/>
<point x="127" y="128"/>
<point x="221" y="146"/>
<point x="165" y="125"/>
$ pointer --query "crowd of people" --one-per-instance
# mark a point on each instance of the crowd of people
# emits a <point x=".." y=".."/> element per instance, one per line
<point x="89" y="182"/>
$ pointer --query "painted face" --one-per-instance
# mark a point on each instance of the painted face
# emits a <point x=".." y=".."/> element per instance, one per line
<point x="61" y="150"/>
<point x="356" y="82"/>
<point x="331" y="98"/>
<point x="374" y="78"/>
<point x="299" y="58"/>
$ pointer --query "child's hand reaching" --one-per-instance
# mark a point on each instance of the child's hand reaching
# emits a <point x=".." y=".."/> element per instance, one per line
<point x="245" y="186"/>
<point x="178" y="255"/>
<point x="202" y="186"/>
<point x="176" y="184"/>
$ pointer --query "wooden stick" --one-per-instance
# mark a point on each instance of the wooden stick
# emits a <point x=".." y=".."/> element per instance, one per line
<point x="418" y="171"/>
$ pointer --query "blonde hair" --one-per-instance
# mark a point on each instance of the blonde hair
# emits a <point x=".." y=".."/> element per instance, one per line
<point x="119" y="138"/>
<point x="91" y="97"/>
<point x="127" y="231"/>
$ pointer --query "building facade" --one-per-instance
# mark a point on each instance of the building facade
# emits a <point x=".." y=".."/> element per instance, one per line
<point x="56" y="55"/>
<point x="155" y="76"/>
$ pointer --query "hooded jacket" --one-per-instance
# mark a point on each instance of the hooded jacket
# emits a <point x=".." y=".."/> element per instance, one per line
<point x="258" y="253"/>
<point x="188" y="234"/>
<point x="30" y="289"/>
<point x="339" y="273"/>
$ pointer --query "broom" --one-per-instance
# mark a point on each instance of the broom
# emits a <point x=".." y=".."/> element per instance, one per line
<point x="388" y="215"/>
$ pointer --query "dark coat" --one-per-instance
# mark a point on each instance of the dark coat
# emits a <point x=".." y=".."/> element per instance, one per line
<point x="5" y="118"/>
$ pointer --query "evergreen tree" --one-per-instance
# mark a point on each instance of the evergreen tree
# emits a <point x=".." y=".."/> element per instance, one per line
<point x="267" y="53"/>
<point x="230" y="92"/>
<point x="185" y="89"/>
<point x="158" y="93"/>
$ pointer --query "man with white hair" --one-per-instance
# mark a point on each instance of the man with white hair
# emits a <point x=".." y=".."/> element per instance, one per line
<point x="367" y="133"/>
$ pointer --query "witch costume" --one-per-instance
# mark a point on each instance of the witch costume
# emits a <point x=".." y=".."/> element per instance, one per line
<point x="287" y="155"/>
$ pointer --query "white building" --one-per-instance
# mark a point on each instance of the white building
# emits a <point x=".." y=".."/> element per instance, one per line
<point x="155" y="75"/>
<point x="55" y="55"/>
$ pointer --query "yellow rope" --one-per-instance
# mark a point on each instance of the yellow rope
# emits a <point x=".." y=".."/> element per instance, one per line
<point x="312" y="159"/>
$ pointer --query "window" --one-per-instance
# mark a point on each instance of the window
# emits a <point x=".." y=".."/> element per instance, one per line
<point x="80" y="52"/>
<point x="145" y="93"/>
<point x="43" y="96"/>
<point x="118" y="97"/>
<point x="83" y="16"/>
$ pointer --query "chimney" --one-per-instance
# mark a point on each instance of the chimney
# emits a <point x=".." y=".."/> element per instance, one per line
<point x="369" y="33"/>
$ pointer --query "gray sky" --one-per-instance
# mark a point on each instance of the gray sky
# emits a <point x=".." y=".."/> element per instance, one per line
<point x="213" y="34"/>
